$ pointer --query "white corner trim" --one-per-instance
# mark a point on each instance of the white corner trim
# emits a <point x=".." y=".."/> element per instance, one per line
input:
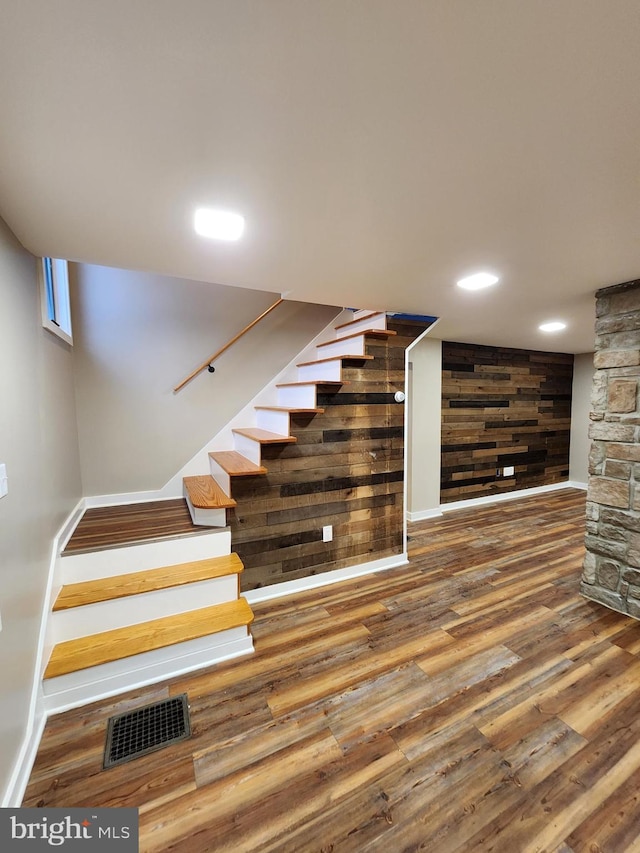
<point x="508" y="496"/>
<point x="37" y="715"/>
<point x="422" y="514"/>
<point x="64" y="534"/>
<point x="278" y="590"/>
<point x="574" y="484"/>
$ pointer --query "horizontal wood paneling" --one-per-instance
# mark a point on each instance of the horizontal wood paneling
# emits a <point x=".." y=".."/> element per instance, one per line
<point x="346" y="469"/>
<point x="503" y="407"/>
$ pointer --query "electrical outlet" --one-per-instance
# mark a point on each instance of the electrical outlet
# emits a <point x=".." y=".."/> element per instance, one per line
<point x="327" y="533"/>
<point x="509" y="471"/>
<point x="4" y="482"/>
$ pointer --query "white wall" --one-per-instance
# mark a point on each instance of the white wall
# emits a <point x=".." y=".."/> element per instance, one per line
<point x="136" y="336"/>
<point x="580" y="408"/>
<point x="38" y="444"/>
<point x="424" y="428"/>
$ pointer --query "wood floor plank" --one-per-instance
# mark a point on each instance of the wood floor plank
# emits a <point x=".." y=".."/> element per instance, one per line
<point x="613" y="825"/>
<point x="227" y="796"/>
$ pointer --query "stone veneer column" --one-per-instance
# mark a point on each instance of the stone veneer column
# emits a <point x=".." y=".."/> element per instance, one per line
<point x="611" y="573"/>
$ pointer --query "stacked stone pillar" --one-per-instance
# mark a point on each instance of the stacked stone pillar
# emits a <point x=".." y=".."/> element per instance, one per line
<point x="611" y="573"/>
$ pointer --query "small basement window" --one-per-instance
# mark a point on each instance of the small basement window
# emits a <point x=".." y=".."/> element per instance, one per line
<point x="54" y="298"/>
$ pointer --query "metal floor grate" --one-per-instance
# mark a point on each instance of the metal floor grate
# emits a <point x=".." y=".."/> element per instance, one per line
<point x="146" y="729"/>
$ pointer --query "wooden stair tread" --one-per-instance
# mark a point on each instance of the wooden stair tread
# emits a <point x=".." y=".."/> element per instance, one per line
<point x="336" y="382"/>
<point x="372" y="333"/>
<point x="360" y="319"/>
<point x="97" y="649"/>
<point x="135" y="583"/>
<point x="205" y="493"/>
<point x="299" y="410"/>
<point x="263" y="436"/>
<point x="236" y="464"/>
<point x="336" y="358"/>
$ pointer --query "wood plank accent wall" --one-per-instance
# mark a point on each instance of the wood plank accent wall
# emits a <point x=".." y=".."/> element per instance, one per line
<point x="346" y="470"/>
<point x="503" y="407"/>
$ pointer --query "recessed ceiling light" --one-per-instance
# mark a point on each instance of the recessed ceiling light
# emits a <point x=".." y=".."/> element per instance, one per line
<point x="218" y="224"/>
<point x="477" y="281"/>
<point x="554" y="326"/>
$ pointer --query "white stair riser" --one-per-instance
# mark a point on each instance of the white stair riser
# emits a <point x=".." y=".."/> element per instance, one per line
<point x="330" y="371"/>
<point x="249" y="447"/>
<point x="273" y="421"/>
<point x="298" y="396"/>
<point x="75" y="568"/>
<point x="352" y="346"/>
<point x="361" y="312"/>
<point x="121" y="612"/>
<point x="207" y="517"/>
<point x="109" y="679"/>
<point x="220" y="476"/>
<point x="378" y="321"/>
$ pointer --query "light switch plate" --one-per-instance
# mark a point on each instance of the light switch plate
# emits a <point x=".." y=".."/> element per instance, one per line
<point x="4" y="482"/>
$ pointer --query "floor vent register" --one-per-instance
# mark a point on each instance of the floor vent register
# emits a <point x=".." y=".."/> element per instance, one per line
<point x="146" y="729"/>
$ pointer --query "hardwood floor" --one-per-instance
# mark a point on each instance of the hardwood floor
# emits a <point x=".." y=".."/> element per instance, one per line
<point x="128" y="524"/>
<point x="471" y="701"/>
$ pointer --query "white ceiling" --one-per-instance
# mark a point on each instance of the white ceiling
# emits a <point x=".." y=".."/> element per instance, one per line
<point x="379" y="149"/>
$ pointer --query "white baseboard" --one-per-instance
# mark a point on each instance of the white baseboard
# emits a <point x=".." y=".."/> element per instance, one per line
<point x="278" y="590"/>
<point x="131" y="498"/>
<point x="423" y="514"/>
<point x="66" y="531"/>
<point x="14" y="793"/>
<point x="510" y="496"/>
<point x="36" y="715"/>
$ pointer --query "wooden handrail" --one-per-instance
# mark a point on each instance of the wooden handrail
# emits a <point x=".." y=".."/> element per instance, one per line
<point x="207" y="363"/>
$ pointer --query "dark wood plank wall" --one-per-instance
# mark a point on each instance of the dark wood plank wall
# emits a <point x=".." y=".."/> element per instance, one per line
<point x="346" y="470"/>
<point x="503" y="407"/>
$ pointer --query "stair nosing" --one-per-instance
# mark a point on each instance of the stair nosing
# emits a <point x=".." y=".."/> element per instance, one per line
<point x="275" y="438"/>
<point x="228" y="504"/>
<point x="296" y="410"/>
<point x="313" y="382"/>
<point x="360" y="319"/>
<point x="384" y="333"/>
<point x="256" y="469"/>
<point x="347" y="357"/>
<point x="197" y="531"/>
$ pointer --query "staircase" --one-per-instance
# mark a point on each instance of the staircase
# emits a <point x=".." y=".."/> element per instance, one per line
<point x="141" y="611"/>
<point x="208" y="496"/>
